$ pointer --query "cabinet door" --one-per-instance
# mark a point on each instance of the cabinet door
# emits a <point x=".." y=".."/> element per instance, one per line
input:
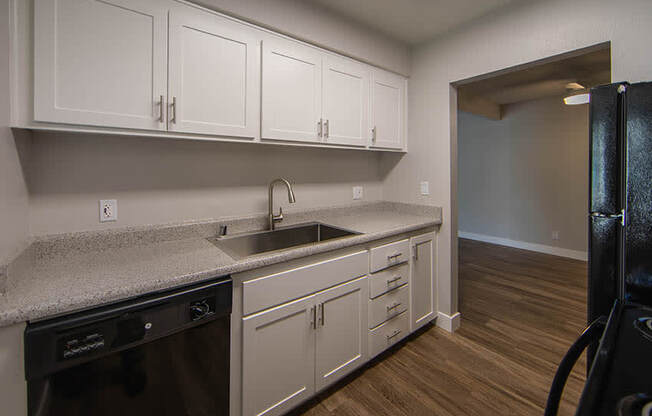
<point x="214" y="78"/>
<point x="278" y="358"/>
<point x="422" y="281"/>
<point x="387" y="110"/>
<point x="346" y="102"/>
<point x="291" y="90"/>
<point x="341" y="331"/>
<point x="101" y="63"/>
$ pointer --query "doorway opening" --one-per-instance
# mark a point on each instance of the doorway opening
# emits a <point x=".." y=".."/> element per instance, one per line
<point x="519" y="192"/>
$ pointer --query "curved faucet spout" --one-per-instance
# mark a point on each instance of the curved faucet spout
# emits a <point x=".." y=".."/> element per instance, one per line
<point x="273" y="219"/>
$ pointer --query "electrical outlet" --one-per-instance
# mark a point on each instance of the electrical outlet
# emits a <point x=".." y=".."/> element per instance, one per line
<point x="108" y="210"/>
<point x="357" y="192"/>
<point x="555" y="235"/>
<point x="425" y="188"/>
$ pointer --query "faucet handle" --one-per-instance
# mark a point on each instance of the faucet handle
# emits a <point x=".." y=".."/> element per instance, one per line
<point x="279" y="217"/>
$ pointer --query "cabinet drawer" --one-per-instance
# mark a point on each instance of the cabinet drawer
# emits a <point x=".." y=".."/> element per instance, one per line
<point x="275" y="289"/>
<point x="388" y="334"/>
<point x="388" y="305"/>
<point x="389" y="279"/>
<point x="389" y="255"/>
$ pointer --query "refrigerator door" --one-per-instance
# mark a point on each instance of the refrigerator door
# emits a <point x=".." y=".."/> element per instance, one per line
<point x="605" y="199"/>
<point x="638" y="219"/>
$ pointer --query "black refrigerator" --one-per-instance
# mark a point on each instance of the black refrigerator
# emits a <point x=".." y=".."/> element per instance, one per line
<point x="619" y="335"/>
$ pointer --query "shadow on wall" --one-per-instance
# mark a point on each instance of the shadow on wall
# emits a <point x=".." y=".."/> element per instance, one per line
<point x="79" y="163"/>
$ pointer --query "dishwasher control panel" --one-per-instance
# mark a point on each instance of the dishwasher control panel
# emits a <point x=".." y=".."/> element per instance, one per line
<point x="81" y="344"/>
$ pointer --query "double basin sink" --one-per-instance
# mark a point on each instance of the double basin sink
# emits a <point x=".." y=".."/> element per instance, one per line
<point x="250" y="244"/>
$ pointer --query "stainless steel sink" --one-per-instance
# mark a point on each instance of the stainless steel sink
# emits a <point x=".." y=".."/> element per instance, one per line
<point x="249" y="244"/>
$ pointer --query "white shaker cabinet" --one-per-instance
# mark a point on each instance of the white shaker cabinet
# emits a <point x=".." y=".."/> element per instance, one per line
<point x="214" y="75"/>
<point x="174" y="69"/>
<point x="341" y="343"/>
<point x="422" y="280"/>
<point x="388" y="92"/>
<point x="291" y="91"/>
<point x="100" y="63"/>
<point x="345" y="102"/>
<point x="291" y="351"/>
<point x="278" y="358"/>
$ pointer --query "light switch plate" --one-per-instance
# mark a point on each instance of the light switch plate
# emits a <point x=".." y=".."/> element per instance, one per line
<point x="425" y="188"/>
<point x="357" y="192"/>
<point x="108" y="210"/>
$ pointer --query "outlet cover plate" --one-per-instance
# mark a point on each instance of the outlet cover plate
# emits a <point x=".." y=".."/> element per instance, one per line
<point x="425" y="188"/>
<point x="357" y="192"/>
<point x="108" y="210"/>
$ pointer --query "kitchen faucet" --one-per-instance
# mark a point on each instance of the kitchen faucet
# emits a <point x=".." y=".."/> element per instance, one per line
<point x="273" y="219"/>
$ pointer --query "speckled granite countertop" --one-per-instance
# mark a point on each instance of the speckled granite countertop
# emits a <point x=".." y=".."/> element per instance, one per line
<point x="65" y="273"/>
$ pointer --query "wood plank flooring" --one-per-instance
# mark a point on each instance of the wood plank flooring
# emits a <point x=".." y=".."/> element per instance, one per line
<point x="520" y="312"/>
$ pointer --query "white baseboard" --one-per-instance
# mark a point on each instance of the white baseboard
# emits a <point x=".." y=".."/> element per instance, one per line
<point x="450" y="323"/>
<point x="555" y="251"/>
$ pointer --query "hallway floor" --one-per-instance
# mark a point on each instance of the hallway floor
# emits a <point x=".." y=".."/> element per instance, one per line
<point x="521" y="310"/>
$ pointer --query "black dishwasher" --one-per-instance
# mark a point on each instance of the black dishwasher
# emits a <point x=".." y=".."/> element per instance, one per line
<point x="162" y="354"/>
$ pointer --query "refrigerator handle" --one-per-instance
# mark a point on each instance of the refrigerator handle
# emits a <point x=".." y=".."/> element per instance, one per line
<point x="620" y="216"/>
<point x="591" y="334"/>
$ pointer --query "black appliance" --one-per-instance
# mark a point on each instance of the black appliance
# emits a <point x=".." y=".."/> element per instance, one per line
<point x="620" y="258"/>
<point x="162" y="354"/>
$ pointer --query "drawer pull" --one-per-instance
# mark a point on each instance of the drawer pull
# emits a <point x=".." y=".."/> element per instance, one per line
<point x="394" y="257"/>
<point x="393" y="306"/>
<point x="395" y="333"/>
<point x="393" y="280"/>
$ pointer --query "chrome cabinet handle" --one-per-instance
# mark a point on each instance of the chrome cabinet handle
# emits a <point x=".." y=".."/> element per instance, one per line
<point x="373" y="135"/>
<point x="321" y="306"/>
<point x="320" y="128"/>
<point x="395" y="333"/>
<point x="394" y="279"/>
<point x="313" y="317"/>
<point x="326" y="128"/>
<point x="173" y="106"/>
<point x="394" y="256"/>
<point x="393" y="306"/>
<point x="161" y="110"/>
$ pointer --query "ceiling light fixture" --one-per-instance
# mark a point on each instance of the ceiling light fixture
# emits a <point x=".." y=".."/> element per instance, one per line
<point x="578" y="96"/>
<point x="577" y="99"/>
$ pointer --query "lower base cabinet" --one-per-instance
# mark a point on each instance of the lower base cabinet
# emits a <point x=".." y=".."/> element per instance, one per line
<point x="293" y="350"/>
<point x="296" y="349"/>
<point x="423" y="301"/>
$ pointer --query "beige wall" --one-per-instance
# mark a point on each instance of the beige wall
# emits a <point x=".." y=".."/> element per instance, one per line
<point x="161" y="180"/>
<point x="13" y="193"/>
<point x="525" y="176"/>
<point x="312" y="23"/>
<point x="523" y="33"/>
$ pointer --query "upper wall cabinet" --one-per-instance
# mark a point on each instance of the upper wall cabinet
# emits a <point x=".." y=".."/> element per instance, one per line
<point x="345" y="102"/>
<point x="388" y="105"/>
<point x="313" y="96"/>
<point x="100" y="63"/>
<point x="214" y="86"/>
<point x="292" y="91"/>
<point x="169" y="68"/>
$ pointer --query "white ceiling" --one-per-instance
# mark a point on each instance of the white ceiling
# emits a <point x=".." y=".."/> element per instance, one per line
<point x="412" y="21"/>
